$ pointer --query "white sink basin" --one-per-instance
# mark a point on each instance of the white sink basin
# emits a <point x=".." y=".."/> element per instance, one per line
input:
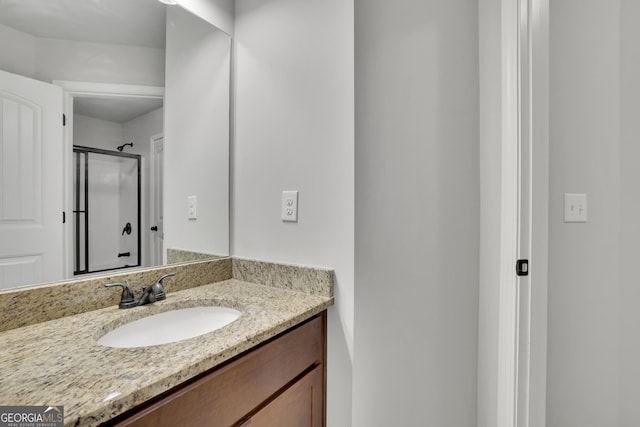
<point x="171" y="326"/>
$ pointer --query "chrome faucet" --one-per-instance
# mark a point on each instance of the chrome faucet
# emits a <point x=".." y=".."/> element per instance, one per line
<point x="149" y="295"/>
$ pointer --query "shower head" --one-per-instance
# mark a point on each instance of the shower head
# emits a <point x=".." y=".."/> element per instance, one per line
<point x="120" y="148"/>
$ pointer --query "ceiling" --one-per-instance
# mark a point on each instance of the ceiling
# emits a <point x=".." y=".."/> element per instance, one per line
<point x="124" y="22"/>
<point x="120" y="22"/>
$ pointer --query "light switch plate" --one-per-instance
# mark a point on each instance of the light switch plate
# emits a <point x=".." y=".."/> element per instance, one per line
<point x="289" y="206"/>
<point x="575" y="207"/>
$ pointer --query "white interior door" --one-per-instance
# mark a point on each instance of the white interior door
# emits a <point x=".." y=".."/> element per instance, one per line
<point x="156" y="220"/>
<point x="31" y="176"/>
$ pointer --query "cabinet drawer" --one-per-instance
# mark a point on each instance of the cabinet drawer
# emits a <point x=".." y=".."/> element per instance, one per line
<point x="226" y="394"/>
<point x="301" y="405"/>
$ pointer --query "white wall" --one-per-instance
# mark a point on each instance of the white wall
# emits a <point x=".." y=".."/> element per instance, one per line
<point x="196" y="134"/>
<point x="294" y="130"/>
<point x="585" y="323"/>
<point x="51" y="59"/>
<point x="417" y="213"/>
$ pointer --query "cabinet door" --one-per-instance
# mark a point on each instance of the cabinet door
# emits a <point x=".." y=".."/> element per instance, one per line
<point x="301" y="405"/>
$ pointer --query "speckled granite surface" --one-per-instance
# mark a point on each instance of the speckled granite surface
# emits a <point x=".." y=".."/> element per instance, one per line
<point x="28" y="306"/>
<point x="180" y="255"/>
<point x="59" y="363"/>
<point x="312" y="280"/>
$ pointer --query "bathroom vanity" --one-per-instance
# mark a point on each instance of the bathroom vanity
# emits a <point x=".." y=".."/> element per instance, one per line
<point x="266" y="368"/>
<point x="281" y="382"/>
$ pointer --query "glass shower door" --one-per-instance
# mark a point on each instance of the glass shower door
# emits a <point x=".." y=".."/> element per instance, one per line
<point x="106" y="210"/>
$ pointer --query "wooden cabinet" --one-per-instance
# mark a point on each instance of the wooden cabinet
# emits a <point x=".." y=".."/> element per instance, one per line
<point x="279" y="383"/>
<point x="301" y="405"/>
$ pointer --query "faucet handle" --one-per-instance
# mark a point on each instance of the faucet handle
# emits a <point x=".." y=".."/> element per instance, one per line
<point x="173" y="273"/>
<point x="158" y="287"/>
<point x="127" y="300"/>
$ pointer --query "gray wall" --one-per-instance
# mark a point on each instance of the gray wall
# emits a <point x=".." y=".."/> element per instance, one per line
<point x="629" y="225"/>
<point x="593" y="346"/>
<point x="583" y="384"/>
<point x="417" y="213"/>
<point x="294" y="131"/>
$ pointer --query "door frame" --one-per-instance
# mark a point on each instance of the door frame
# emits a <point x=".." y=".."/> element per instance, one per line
<point x="530" y="340"/>
<point x="514" y="212"/>
<point x="154" y="257"/>
<point x="71" y="90"/>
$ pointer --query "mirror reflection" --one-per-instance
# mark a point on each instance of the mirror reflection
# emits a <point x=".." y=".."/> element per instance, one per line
<point x="138" y="176"/>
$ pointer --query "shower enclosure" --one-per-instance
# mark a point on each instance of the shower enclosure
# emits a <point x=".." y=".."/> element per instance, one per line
<point x="106" y="215"/>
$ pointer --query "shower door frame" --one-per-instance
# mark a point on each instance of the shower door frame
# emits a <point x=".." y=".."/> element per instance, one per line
<point x="76" y="208"/>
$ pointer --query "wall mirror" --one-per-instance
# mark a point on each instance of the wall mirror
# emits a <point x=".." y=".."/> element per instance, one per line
<point x="139" y="174"/>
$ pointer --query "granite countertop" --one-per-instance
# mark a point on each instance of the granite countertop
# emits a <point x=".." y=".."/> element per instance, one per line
<point x="59" y="363"/>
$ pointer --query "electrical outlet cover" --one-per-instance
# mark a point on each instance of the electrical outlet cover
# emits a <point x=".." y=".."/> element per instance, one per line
<point x="289" y="206"/>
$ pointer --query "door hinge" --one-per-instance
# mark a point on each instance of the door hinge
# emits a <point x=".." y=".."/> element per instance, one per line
<point x="522" y="267"/>
<point x="64" y="120"/>
<point x="64" y="217"/>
